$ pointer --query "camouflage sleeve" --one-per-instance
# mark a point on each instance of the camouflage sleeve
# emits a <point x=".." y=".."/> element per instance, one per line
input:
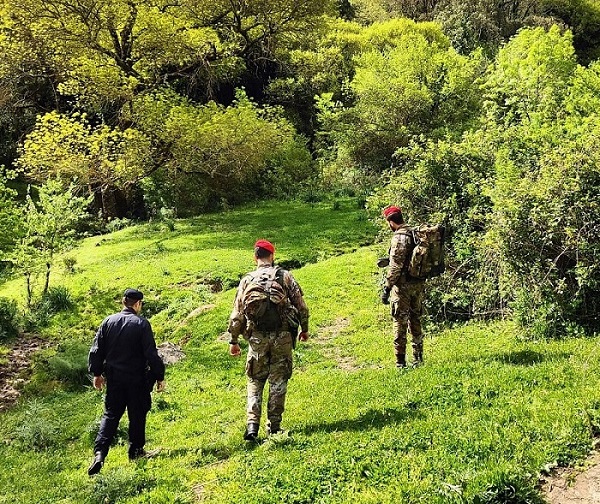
<point x="398" y="256"/>
<point x="237" y="320"/>
<point x="297" y="299"/>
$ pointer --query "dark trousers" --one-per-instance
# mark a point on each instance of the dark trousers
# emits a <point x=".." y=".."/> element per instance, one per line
<point x="120" y="395"/>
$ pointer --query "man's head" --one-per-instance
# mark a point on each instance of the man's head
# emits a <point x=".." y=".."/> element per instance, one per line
<point x="264" y="251"/>
<point x="132" y="298"/>
<point x="393" y="216"/>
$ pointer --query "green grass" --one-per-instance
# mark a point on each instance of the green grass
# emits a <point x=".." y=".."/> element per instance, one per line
<point x="476" y="424"/>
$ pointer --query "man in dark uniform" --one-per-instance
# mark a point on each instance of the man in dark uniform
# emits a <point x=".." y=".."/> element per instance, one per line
<point x="123" y="348"/>
<point x="406" y="292"/>
<point x="270" y="348"/>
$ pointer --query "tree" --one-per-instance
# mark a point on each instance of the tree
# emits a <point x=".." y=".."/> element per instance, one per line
<point x="48" y="229"/>
<point x="114" y="50"/>
<point x="530" y="79"/>
<point x="100" y="160"/>
<point x="407" y="82"/>
<point x="222" y="152"/>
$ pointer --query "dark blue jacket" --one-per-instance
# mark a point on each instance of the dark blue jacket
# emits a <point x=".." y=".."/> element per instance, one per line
<point x="124" y="345"/>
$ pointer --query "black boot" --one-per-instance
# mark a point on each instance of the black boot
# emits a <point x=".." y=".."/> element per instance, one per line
<point x="274" y="429"/>
<point x="417" y="355"/>
<point x="400" y="361"/>
<point x="251" y="432"/>
<point x="96" y="464"/>
<point x="400" y="351"/>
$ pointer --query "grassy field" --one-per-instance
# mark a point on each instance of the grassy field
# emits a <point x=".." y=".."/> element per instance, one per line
<point x="477" y="424"/>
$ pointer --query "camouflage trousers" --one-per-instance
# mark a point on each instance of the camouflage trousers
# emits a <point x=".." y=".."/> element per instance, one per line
<point x="269" y="358"/>
<point x="406" y="302"/>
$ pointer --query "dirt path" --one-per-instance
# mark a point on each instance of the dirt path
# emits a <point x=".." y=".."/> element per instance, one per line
<point x="17" y="368"/>
<point x="575" y="486"/>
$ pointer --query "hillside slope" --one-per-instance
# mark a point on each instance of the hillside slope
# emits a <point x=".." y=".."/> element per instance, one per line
<point x="476" y="424"/>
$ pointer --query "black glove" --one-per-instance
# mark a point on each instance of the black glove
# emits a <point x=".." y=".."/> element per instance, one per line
<point x="385" y="295"/>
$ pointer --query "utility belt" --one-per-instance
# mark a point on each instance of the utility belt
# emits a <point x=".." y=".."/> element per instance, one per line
<point x="284" y="327"/>
<point x="405" y="278"/>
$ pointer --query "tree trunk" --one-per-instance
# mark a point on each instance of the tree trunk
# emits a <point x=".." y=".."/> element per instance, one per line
<point x="28" y="282"/>
<point x="109" y="203"/>
<point x="47" y="282"/>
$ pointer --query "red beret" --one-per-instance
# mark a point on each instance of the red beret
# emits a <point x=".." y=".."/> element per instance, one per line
<point x="391" y="210"/>
<point x="267" y="245"/>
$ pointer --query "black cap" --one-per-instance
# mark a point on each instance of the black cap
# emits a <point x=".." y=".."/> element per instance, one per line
<point x="133" y="294"/>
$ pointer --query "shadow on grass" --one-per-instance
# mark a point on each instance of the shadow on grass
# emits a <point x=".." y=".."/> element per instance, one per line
<point x="372" y="419"/>
<point x="210" y="454"/>
<point x="527" y="357"/>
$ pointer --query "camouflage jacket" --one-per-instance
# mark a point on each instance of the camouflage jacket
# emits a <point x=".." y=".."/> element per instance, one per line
<point x="238" y="322"/>
<point x="400" y="250"/>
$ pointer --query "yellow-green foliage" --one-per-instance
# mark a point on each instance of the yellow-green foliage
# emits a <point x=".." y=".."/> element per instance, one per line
<point x="70" y="149"/>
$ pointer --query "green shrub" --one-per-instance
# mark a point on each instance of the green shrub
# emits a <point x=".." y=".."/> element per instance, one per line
<point x="58" y="299"/>
<point x="40" y="428"/>
<point x="115" y="485"/>
<point x="37" y="317"/>
<point x="69" y="263"/>
<point x="69" y="364"/>
<point x="8" y="318"/>
<point x="117" y="224"/>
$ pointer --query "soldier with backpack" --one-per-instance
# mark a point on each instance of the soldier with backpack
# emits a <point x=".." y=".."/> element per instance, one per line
<point x="415" y="255"/>
<point x="268" y="310"/>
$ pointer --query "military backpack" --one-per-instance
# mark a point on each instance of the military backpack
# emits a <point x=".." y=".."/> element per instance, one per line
<point x="265" y="301"/>
<point x="427" y="257"/>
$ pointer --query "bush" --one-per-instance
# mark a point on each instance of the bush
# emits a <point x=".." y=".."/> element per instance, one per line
<point x="40" y="428"/>
<point x="117" y="224"/>
<point x="69" y="263"/>
<point x="58" y="299"/>
<point x="8" y="318"/>
<point x="118" y="484"/>
<point x="37" y="317"/>
<point x="546" y="217"/>
<point x="69" y="364"/>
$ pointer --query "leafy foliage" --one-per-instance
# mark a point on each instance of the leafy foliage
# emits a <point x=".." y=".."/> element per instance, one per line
<point x="407" y="82"/>
<point x="10" y="217"/>
<point x="9" y="318"/>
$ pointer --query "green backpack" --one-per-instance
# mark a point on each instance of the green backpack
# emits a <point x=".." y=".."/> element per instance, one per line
<point x="427" y="257"/>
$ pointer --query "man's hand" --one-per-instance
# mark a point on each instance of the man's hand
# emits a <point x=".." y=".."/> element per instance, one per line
<point x="160" y="386"/>
<point x="385" y="295"/>
<point x="235" y="350"/>
<point x="303" y="336"/>
<point x="98" y="382"/>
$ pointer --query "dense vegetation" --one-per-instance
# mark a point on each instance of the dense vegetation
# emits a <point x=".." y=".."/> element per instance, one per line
<point x="482" y="117"/>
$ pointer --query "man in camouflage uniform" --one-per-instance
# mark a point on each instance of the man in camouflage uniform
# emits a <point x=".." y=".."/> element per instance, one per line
<point x="405" y="291"/>
<point x="270" y="352"/>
